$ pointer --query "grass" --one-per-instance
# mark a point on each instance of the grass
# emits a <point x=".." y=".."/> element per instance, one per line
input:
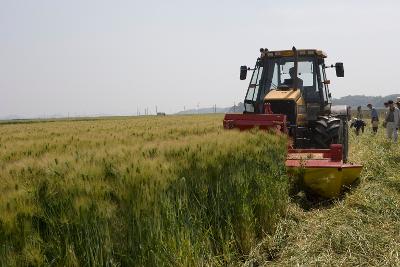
<point x="362" y="228"/>
<point x="147" y="191"/>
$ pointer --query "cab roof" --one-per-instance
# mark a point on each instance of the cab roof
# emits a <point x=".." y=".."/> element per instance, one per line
<point x="290" y="53"/>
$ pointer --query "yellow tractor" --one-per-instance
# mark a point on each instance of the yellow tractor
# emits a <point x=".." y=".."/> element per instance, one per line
<point x="289" y="92"/>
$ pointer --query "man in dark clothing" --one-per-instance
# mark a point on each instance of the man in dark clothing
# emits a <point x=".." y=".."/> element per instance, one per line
<point x="358" y="124"/>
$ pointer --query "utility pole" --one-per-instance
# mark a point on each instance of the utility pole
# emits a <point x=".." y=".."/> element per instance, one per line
<point x="156" y="110"/>
<point x="197" y="107"/>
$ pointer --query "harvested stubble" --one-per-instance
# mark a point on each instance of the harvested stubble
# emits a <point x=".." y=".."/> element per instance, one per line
<point x="362" y="228"/>
<point x="153" y="191"/>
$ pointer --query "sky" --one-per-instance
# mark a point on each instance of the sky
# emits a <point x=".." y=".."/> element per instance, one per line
<point x="91" y="57"/>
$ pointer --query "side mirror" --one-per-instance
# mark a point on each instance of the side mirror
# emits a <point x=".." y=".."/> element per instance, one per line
<point x="339" y="69"/>
<point x="243" y="72"/>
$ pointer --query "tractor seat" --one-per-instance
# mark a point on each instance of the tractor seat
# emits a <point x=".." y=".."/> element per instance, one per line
<point x="290" y="83"/>
<point x="283" y="87"/>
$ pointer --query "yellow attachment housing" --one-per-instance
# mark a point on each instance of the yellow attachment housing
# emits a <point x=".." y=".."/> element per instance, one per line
<point x="290" y="95"/>
<point x="328" y="182"/>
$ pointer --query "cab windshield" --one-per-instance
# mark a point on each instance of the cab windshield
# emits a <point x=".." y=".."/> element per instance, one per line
<point x="281" y="74"/>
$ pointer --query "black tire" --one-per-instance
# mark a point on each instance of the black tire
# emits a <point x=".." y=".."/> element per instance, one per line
<point x="331" y="130"/>
<point x="326" y="131"/>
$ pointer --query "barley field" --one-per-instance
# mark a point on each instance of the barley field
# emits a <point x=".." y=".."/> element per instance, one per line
<point x="137" y="191"/>
<point x="181" y="191"/>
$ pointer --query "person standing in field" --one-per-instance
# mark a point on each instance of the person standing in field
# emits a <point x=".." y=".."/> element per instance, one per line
<point x="392" y="120"/>
<point x="374" y="118"/>
<point x="386" y="105"/>
<point x="359" y="113"/>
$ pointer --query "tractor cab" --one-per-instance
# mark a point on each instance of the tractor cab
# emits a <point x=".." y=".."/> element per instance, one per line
<point x="290" y="70"/>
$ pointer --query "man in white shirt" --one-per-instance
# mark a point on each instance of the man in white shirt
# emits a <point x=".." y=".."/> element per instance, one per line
<point x="398" y="106"/>
<point x="392" y="120"/>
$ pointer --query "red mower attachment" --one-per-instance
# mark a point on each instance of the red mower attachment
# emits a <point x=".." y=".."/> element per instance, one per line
<point x="262" y="121"/>
<point x="323" y="170"/>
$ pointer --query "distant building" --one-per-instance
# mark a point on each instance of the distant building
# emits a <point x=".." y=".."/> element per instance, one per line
<point x="160" y="113"/>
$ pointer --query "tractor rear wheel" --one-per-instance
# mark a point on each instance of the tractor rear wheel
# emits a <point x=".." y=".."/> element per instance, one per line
<point x="326" y="131"/>
<point x="331" y="130"/>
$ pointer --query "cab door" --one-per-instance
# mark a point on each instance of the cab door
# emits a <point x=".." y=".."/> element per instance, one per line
<point x="251" y="102"/>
